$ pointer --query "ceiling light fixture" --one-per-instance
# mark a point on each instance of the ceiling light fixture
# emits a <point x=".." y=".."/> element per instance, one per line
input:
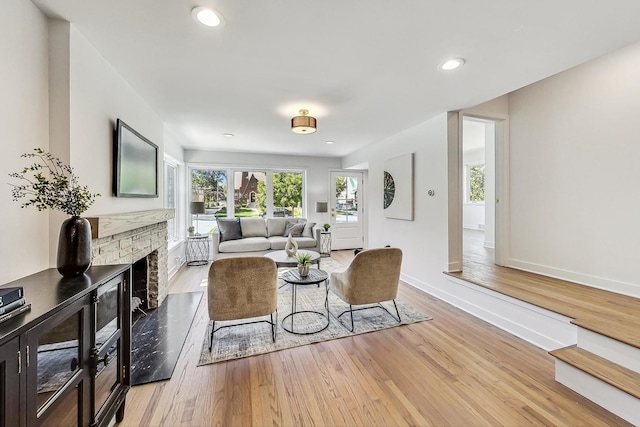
<point x="452" y="64"/>
<point x="303" y="123"/>
<point x="330" y="142"/>
<point x="206" y="16"/>
<point x="228" y="135"/>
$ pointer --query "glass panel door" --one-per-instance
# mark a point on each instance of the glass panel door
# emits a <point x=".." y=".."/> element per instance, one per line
<point x="346" y="210"/>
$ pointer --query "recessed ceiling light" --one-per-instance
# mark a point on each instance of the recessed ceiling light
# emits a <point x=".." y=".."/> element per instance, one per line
<point x="452" y="64"/>
<point x="228" y="135"/>
<point x="206" y="16"/>
<point x="330" y="142"/>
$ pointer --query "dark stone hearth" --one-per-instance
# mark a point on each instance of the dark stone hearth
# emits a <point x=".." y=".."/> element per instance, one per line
<point x="157" y="339"/>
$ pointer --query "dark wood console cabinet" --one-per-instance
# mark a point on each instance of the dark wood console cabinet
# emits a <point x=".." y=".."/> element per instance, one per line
<point x="66" y="362"/>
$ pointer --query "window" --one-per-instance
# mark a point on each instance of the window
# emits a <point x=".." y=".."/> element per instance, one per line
<point x="171" y="197"/>
<point x="208" y="186"/>
<point x="245" y="200"/>
<point x="255" y="193"/>
<point x="287" y="192"/>
<point x="346" y="199"/>
<point x="474" y="178"/>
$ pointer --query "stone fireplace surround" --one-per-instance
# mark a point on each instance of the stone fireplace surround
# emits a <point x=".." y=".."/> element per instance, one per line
<point x="127" y="237"/>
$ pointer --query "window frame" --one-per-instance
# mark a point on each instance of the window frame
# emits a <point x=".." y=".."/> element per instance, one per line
<point x="231" y="171"/>
<point x="178" y="168"/>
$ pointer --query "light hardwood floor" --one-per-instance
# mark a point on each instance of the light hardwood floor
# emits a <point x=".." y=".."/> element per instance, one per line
<point x="611" y="314"/>
<point x="454" y="370"/>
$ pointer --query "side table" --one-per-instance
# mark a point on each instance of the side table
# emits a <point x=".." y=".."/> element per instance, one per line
<point x="315" y="277"/>
<point x="197" y="249"/>
<point x="325" y="243"/>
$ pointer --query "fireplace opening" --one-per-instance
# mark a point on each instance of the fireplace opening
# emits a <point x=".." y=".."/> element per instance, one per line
<point x="140" y="288"/>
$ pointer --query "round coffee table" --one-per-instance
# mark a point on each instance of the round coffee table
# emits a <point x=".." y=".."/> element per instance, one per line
<point x="315" y="277"/>
<point x="283" y="260"/>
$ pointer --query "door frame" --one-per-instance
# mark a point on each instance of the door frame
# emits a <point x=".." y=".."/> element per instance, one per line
<point x="362" y="220"/>
<point x="502" y="173"/>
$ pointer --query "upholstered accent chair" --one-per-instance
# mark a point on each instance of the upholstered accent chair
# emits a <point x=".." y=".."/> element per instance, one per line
<point x="243" y="288"/>
<point x="371" y="278"/>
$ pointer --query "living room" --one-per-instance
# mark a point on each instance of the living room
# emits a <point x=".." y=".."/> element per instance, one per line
<point x="571" y="168"/>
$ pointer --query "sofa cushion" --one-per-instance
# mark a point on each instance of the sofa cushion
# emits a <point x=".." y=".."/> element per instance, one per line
<point x="253" y="227"/>
<point x="279" y="242"/>
<point x="293" y="228"/>
<point x="275" y="226"/>
<point x="308" y="229"/>
<point x="229" y="229"/>
<point x="248" y="244"/>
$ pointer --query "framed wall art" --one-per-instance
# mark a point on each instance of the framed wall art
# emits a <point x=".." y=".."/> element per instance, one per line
<point x="398" y="187"/>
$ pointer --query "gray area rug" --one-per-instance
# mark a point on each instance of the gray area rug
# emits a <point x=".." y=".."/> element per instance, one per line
<point x="250" y="340"/>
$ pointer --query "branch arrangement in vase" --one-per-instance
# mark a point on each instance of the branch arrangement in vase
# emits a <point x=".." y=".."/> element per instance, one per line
<point x="50" y="184"/>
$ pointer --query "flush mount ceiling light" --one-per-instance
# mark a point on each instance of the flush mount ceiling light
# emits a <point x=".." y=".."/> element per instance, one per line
<point x="206" y="16"/>
<point x="303" y="123"/>
<point x="228" y="135"/>
<point x="330" y="142"/>
<point x="452" y="64"/>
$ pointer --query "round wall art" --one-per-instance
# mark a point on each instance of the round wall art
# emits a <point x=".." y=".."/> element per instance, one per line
<point x="389" y="189"/>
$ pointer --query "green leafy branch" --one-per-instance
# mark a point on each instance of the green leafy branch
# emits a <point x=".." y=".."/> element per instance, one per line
<point x="50" y="184"/>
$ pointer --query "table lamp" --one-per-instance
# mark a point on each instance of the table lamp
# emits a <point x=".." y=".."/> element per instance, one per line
<point x="197" y="208"/>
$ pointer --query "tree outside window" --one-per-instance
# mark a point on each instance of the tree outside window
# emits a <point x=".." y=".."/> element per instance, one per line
<point x="287" y="194"/>
<point x="476" y="183"/>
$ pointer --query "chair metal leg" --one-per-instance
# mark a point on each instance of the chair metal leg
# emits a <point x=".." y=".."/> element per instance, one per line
<point x="351" y="310"/>
<point x="213" y="328"/>
<point x="273" y="326"/>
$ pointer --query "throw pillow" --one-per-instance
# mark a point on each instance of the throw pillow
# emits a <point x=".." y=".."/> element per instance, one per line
<point x="229" y="229"/>
<point x="294" y="228"/>
<point x="308" y="229"/>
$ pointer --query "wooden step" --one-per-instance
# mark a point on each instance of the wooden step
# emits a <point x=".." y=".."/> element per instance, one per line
<point x="611" y="373"/>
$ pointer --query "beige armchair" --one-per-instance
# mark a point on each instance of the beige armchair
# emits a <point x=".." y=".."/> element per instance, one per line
<point x="243" y="288"/>
<point x="372" y="277"/>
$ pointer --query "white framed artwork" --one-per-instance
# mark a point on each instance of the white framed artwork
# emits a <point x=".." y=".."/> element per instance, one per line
<point x="398" y="187"/>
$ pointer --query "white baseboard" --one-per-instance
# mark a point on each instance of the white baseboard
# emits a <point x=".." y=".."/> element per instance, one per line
<point x="609" y="348"/>
<point x="541" y="327"/>
<point x="611" y="398"/>
<point x="584" y="279"/>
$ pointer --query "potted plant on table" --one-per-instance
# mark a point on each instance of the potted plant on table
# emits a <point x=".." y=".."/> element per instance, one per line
<point x="304" y="261"/>
<point x="190" y="230"/>
<point x="326" y="227"/>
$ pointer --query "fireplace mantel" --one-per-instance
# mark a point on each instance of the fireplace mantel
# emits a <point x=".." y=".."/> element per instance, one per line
<point x="110" y="224"/>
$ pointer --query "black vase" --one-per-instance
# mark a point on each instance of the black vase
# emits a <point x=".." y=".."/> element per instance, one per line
<point x="74" y="247"/>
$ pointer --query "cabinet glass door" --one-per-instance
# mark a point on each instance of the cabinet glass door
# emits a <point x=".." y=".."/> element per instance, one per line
<point x="108" y="341"/>
<point x="10" y="384"/>
<point x="58" y="357"/>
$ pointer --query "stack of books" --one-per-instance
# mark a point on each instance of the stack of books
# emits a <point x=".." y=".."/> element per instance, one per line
<point x="12" y="302"/>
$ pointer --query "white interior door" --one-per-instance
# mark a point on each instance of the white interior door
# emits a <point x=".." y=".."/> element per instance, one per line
<point x="346" y="210"/>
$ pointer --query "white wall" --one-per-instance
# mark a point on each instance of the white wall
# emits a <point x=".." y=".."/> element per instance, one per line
<point x="87" y="96"/>
<point x="423" y="240"/>
<point x="99" y="96"/>
<point x="24" y="120"/>
<point x="575" y="173"/>
<point x="317" y="170"/>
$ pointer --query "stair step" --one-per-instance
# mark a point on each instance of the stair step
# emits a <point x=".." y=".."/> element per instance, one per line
<point x="613" y="374"/>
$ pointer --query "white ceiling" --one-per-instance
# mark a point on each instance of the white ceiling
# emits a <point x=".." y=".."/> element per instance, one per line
<point x="366" y="69"/>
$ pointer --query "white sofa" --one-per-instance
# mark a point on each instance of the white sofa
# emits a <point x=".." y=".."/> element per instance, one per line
<point x="261" y="235"/>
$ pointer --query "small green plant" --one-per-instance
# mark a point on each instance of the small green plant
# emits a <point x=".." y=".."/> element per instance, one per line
<point x="326" y="227"/>
<point x="191" y="229"/>
<point x="303" y="258"/>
